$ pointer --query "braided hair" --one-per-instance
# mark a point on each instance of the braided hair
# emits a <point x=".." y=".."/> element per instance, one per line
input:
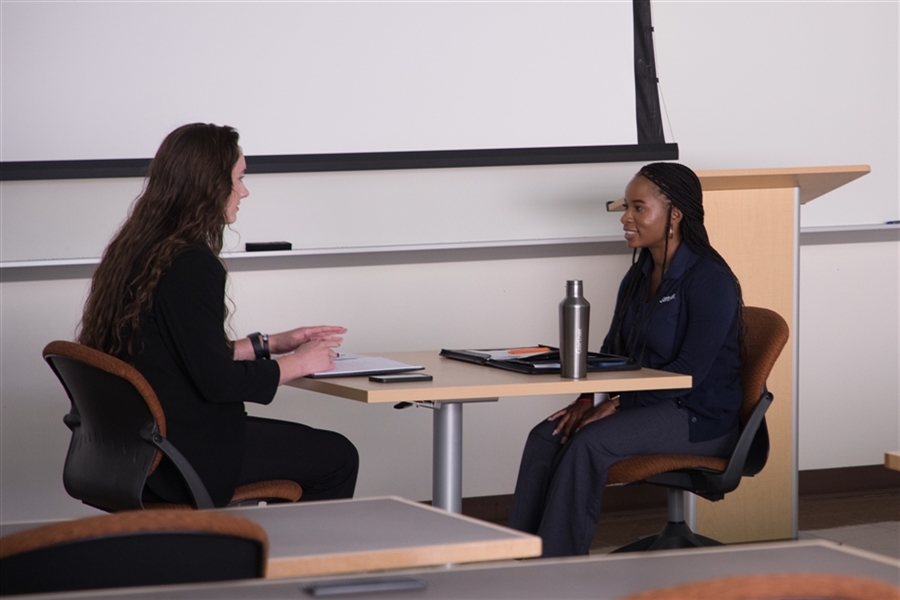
<point x="681" y="187"/>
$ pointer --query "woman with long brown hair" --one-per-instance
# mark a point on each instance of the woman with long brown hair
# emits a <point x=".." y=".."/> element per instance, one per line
<point x="157" y="301"/>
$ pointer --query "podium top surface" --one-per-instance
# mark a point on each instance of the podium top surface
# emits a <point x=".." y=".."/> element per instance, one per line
<point x="811" y="181"/>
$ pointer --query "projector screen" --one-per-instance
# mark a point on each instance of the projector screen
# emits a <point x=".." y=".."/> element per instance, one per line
<point x="328" y="85"/>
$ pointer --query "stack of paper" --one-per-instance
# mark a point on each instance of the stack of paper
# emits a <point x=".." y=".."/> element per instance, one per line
<point x="354" y="365"/>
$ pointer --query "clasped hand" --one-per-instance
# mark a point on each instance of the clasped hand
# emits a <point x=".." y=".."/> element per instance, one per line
<point x="578" y="414"/>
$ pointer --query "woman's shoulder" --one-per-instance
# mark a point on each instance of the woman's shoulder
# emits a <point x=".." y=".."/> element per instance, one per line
<point x="693" y="263"/>
<point x="197" y="255"/>
<point x="195" y="264"/>
<point x="710" y="277"/>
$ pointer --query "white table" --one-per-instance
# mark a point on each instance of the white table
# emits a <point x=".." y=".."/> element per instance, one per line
<point x="370" y="534"/>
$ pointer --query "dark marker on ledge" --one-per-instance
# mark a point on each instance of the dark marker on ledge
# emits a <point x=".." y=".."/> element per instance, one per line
<point x="267" y="246"/>
<point x="892" y="222"/>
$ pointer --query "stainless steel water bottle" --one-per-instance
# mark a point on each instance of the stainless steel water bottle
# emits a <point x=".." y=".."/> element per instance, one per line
<point x="574" y="321"/>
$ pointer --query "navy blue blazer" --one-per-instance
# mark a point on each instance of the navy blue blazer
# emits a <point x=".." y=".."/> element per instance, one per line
<point x="693" y="330"/>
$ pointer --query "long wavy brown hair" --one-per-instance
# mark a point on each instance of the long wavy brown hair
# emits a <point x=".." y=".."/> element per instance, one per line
<point x="183" y="204"/>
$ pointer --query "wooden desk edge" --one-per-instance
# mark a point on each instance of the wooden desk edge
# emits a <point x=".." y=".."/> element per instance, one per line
<point x="403" y="558"/>
<point x="357" y="567"/>
<point x="516" y="544"/>
<point x="892" y="460"/>
<point x="529" y="385"/>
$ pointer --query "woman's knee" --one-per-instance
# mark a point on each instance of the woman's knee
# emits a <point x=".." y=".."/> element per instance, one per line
<point x="540" y="451"/>
<point x="351" y="454"/>
<point x="341" y="450"/>
<point x="543" y="432"/>
<point x="590" y="447"/>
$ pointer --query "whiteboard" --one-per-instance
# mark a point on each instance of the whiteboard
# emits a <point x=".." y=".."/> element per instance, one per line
<point x="108" y="80"/>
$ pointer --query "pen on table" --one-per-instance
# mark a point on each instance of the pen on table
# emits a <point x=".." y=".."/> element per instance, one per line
<point x="528" y="350"/>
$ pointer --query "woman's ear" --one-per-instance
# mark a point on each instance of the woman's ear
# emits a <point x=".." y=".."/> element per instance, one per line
<point x="676" y="217"/>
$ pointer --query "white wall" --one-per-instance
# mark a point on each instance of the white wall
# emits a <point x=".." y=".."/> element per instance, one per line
<point x="781" y="84"/>
<point x="745" y="85"/>
<point x="849" y="360"/>
<point x="787" y="84"/>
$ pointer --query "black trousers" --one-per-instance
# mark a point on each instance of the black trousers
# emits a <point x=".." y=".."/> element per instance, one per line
<point x="324" y="463"/>
<point x="560" y="486"/>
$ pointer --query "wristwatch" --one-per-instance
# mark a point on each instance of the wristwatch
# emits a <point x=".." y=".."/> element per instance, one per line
<point x="260" y="343"/>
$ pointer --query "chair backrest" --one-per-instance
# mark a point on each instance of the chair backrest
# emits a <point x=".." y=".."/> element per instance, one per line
<point x="108" y="461"/>
<point x="133" y="548"/>
<point x="765" y="335"/>
<point x="118" y="430"/>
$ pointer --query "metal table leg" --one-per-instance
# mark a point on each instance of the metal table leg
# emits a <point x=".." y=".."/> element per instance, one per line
<point x="446" y="472"/>
<point x="446" y="483"/>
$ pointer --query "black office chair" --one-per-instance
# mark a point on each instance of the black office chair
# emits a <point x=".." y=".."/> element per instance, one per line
<point x="133" y="548"/>
<point x="766" y="334"/>
<point x="119" y="436"/>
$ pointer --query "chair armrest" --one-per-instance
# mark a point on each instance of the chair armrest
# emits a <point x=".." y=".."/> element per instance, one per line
<point x="191" y="478"/>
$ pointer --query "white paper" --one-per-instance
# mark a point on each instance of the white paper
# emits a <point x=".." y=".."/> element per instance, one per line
<point x="347" y="365"/>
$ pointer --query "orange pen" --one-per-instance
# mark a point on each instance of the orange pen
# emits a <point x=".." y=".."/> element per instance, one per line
<point x="528" y="350"/>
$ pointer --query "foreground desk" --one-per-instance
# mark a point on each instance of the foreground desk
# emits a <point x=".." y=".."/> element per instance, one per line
<point x="370" y="534"/>
<point x="456" y="382"/>
<point x="612" y="576"/>
<point x="892" y="460"/>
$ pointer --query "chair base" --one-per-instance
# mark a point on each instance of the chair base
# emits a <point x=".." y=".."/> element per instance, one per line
<point x="672" y="537"/>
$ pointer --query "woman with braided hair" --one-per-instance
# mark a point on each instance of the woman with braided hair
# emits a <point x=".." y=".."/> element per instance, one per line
<point x="678" y="309"/>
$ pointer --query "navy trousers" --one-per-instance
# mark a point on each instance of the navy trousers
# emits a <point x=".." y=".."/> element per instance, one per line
<point x="560" y="486"/>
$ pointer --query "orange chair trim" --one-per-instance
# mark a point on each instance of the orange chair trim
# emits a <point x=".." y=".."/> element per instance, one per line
<point x="780" y="586"/>
<point x="638" y="468"/>
<point x="276" y="489"/>
<point x="136" y="521"/>
<point x="767" y="334"/>
<point x="113" y="366"/>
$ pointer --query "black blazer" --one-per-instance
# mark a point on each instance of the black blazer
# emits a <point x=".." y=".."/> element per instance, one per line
<point x="185" y="355"/>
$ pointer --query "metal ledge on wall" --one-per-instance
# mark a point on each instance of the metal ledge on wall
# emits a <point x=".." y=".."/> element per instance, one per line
<point x="319" y="258"/>
<point x="850" y="234"/>
<point x="313" y="258"/>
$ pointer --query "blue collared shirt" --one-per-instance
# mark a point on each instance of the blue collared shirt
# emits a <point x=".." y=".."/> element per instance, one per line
<point x="693" y="330"/>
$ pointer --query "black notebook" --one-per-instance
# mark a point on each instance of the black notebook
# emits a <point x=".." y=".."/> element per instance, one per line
<point x="538" y="359"/>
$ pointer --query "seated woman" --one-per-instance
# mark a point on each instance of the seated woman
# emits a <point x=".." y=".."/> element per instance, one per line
<point x="678" y="309"/>
<point x="158" y="301"/>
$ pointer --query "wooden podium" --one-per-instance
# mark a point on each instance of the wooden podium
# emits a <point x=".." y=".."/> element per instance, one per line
<point x="752" y="217"/>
